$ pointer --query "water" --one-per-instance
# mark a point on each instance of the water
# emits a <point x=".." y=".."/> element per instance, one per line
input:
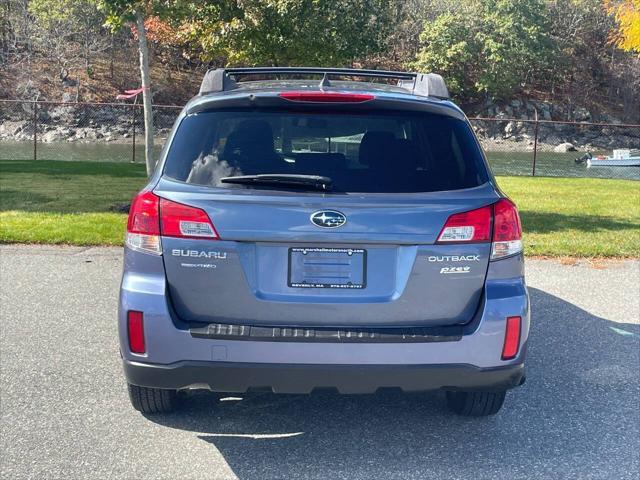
<point x="552" y="164"/>
<point x="502" y="163"/>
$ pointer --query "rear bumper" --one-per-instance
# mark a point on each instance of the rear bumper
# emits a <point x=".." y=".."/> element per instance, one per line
<point x="178" y="357"/>
<point x="295" y="378"/>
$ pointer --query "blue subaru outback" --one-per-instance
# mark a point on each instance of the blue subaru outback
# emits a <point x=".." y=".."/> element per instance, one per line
<point x="303" y="231"/>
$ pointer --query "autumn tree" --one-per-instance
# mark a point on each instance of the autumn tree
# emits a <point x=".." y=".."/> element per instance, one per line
<point x="136" y="12"/>
<point x="627" y="14"/>
<point x="70" y="31"/>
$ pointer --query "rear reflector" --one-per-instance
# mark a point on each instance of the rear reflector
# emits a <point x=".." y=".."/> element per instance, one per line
<point x="507" y="232"/>
<point x="135" y="327"/>
<point x="511" y="338"/>
<point x="326" y="97"/>
<point x="178" y="220"/>
<point x="467" y="227"/>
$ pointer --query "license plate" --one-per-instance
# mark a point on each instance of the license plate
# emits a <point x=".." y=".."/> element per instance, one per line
<point x="320" y="267"/>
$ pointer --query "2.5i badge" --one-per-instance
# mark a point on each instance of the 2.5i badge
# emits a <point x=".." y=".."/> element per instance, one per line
<point x="455" y="270"/>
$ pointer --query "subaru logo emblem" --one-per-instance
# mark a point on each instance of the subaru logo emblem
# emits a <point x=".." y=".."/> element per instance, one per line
<point x="328" y="219"/>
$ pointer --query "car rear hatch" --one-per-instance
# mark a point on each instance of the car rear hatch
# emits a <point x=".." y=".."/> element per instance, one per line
<point x="367" y="251"/>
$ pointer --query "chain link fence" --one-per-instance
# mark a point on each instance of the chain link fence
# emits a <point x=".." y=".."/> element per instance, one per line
<point x="111" y="132"/>
<point x="556" y="149"/>
<point x="115" y="132"/>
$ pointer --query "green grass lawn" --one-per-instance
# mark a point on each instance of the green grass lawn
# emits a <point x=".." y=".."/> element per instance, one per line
<point x="46" y="201"/>
<point x="74" y="202"/>
<point x="584" y="217"/>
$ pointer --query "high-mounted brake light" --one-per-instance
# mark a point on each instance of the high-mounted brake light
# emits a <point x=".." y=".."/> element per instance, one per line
<point x="507" y="232"/>
<point x="467" y="227"/>
<point x="151" y="216"/>
<point x="327" y="97"/>
<point x="178" y="220"/>
<point x="135" y="331"/>
<point x="511" y="338"/>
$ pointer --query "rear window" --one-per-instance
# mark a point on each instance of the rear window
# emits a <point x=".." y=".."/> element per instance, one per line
<point x="374" y="152"/>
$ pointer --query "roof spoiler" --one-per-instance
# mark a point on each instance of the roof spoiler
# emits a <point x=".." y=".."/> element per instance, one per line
<point x="423" y="84"/>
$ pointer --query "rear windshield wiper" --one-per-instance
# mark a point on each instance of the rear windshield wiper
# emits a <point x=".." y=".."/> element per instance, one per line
<point x="315" y="182"/>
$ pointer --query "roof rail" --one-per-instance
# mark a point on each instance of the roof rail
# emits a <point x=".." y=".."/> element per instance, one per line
<point x="423" y="84"/>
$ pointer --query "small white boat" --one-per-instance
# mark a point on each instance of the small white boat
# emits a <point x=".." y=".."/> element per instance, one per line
<point x="620" y="158"/>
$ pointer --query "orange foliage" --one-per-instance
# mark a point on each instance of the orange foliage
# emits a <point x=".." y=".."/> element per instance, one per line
<point x="159" y="31"/>
<point x="627" y="14"/>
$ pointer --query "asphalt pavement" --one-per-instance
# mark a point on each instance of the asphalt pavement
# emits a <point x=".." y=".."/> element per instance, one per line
<point x="65" y="412"/>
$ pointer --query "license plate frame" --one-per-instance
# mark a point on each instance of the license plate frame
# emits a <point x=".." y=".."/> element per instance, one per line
<point x="349" y="261"/>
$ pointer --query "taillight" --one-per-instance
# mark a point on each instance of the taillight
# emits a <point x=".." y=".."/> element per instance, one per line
<point x="507" y="232"/>
<point x="151" y="216"/>
<point x="467" y="227"/>
<point x="135" y="330"/>
<point x="511" y="338"/>
<point x="178" y="220"/>
<point x="143" y="226"/>
<point x="475" y="226"/>
<point x="327" y="97"/>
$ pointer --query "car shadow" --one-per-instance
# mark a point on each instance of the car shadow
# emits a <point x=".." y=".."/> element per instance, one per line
<point x="547" y="222"/>
<point x="577" y="415"/>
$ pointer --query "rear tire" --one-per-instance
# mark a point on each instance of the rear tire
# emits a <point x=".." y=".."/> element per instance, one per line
<point x="475" y="404"/>
<point x="152" y="400"/>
